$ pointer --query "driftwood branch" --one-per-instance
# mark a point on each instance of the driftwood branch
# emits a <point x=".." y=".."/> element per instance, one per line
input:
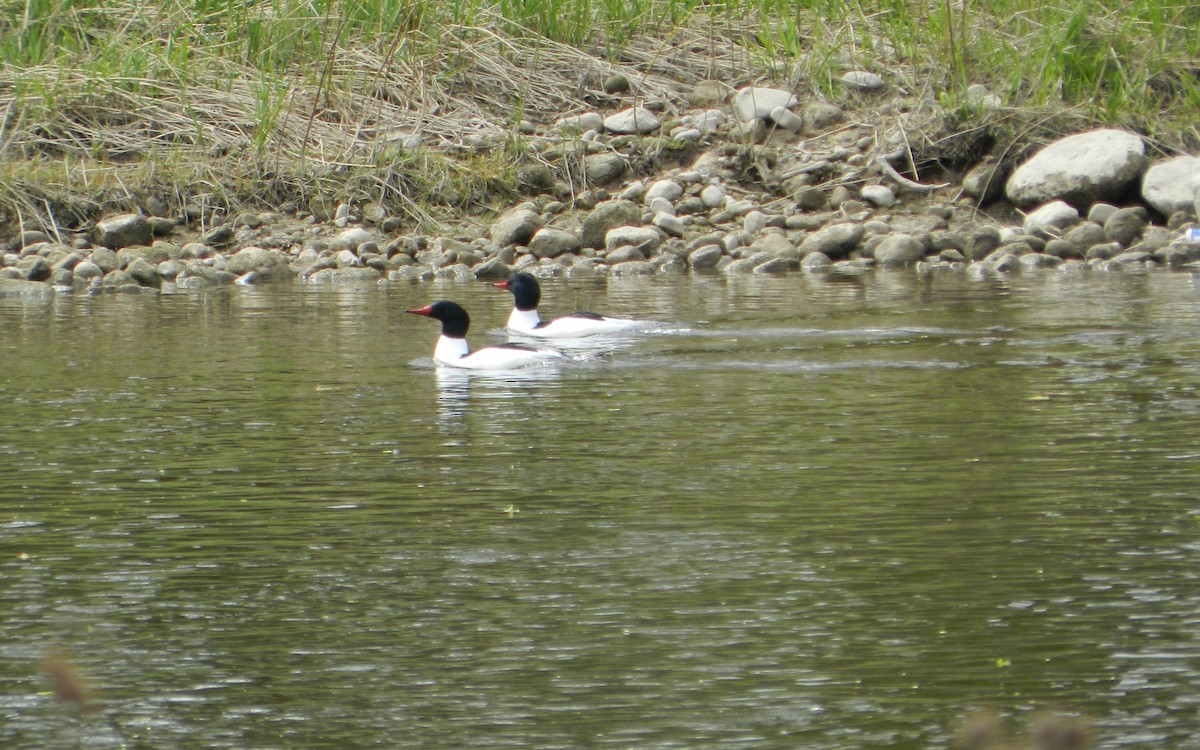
<point x="904" y="182"/>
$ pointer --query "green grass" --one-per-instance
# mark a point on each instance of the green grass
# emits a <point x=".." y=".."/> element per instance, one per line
<point x="293" y="86"/>
<point x="1065" y="52"/>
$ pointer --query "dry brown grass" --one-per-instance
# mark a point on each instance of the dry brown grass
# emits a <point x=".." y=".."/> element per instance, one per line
<point x="94" y="145"/>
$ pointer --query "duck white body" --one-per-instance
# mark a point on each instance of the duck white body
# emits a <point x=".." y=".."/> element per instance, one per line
<point x="452" y="349"/>
<point x="578" y="325"/>
<point x="524" y="318"/>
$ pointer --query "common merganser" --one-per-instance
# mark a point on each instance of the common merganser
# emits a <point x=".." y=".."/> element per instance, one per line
<point x="524" y="319"/>
<point x="452" y="349"/>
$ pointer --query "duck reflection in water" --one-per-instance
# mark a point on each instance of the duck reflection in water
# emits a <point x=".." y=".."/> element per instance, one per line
<point x="457" y="386"/>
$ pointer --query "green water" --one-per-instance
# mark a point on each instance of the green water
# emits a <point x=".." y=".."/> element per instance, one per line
<point x="820" y="513"/>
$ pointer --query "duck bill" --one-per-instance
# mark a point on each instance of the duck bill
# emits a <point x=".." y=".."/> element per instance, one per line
<point x="501" y="285"/>
<point x="427" y="310"/>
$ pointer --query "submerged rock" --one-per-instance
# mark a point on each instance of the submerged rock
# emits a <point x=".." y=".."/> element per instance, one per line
<point x="24" y="288"/>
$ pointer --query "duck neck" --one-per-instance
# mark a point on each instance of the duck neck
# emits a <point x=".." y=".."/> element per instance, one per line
<point x="450" y="349"/>
<point x="523" y="320"/>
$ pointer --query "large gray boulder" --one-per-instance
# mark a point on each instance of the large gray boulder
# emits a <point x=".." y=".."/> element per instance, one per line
<point x="834" y="241"/>
<point x="549" y="242"/>
<point x="1049" y="220"/>
<point x="143" y="272"/>
<point x="255" y="259"/>
<point x="515" y="227"/>
<point x="775" y="244"/>
<point x="1080" y="169"/>
<point x="899" y="250"/>
<point x="35" y="268"/>
<point x="492" y="268"/>
<point x="1126" y="225"/>
<point x="645" y="239"/>
<point x="602" y="169"/>
<point x="606" y="216"/>
<point x="84" y="272"/>
<point x="1168" y="185"/>
<point x="350" y="239"/>
<point x="123" y="231"/>
<point x="704" y="258"/>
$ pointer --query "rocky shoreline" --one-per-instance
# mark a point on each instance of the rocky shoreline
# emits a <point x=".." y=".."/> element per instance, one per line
<point x="762" y="185"/>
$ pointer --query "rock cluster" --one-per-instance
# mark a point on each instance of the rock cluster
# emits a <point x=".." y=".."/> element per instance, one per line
<point x="822" y="201"/>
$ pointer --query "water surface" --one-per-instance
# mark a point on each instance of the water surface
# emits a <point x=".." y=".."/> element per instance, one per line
<point x="808" y="512"/>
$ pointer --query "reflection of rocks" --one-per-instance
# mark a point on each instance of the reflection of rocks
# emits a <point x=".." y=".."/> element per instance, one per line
<point x="756" y="181"/>
<point x="11" y="287"/>
<point x="1047" y="731"/>
<point x="344" y="276"/>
